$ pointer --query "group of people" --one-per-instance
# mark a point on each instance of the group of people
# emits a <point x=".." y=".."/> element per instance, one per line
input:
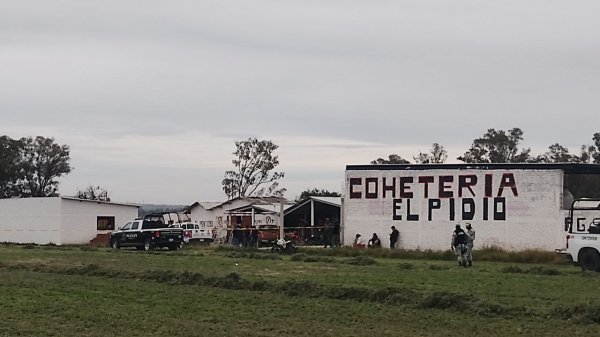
<point x="375" y="242"/>
<point x="462" y="244"/>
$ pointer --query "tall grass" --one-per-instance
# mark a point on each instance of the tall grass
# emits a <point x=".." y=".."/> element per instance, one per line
<point x="487" y="253"/>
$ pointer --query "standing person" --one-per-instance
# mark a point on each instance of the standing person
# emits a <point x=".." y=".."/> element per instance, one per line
<point x="394" y="237"/>
<point x="470" y="243"/>
<point x="374" y="242"/>
<point x="327" y="232"/>
<point x="335" y="236"/>
<point x="459" y="245"/>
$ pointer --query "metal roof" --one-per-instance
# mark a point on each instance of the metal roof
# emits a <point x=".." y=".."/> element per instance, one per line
<point x="250" y="200"/>
<point x="333" y="201"/>
<point x="269" y="208"/>
<point x="101" y="202"/>
<point x="570" y="168"/>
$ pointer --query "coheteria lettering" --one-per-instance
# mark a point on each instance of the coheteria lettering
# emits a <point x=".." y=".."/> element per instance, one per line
<point x="462" y="195"/>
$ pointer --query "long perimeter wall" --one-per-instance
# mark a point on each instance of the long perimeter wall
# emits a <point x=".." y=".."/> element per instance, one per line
<point x="512" y="209"/>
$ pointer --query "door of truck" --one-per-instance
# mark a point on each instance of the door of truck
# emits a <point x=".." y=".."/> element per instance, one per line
<point x="132" y="235"/>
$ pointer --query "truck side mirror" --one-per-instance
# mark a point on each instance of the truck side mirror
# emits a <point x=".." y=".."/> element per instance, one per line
<point x="568" y="223"/>
<point x="120" y="228"/>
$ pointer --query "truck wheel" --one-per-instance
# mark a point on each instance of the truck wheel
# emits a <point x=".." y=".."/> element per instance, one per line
<point x="148" y="245"/>
<point x="589" y="260"/>
<point x="115" y="244"/>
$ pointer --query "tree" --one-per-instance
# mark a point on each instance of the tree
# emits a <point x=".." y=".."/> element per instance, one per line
<point x="253" y="174"/>
<point x="557" y="154"/>
<point x="437" y="155"/>
<point x="93" y="193"/>
<point x="497" y="147"/>
<point x="594" y="150"/>
<point x="43" y="161"/>
<point x="10" y="169"/>
<point x="315" y="192"/>
<point x="392" y="159"/>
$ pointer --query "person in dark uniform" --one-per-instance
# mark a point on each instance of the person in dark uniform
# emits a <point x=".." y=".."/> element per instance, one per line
<point x="459" y="245"/>
<point x="394" y="237"/>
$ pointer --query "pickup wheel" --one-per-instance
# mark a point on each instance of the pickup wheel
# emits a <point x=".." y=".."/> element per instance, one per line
<point x="115" y="244"/>
<point x="589" y="259"/>
<point x="148" y="245"/>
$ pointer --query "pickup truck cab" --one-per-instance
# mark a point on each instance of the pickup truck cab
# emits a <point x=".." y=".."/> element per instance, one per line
<point x="582" y="226"/>
<point x="148" y="233"/>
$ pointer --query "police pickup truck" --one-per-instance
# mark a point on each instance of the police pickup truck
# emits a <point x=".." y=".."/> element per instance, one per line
<point x="582" y="225"/>
<point x="147" y="233"/>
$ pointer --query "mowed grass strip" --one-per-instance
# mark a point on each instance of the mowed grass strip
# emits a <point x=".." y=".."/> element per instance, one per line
<point x="40" y="304"/>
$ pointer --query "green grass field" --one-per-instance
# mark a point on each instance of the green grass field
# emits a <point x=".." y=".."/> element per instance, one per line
<point x="73" y="291"/>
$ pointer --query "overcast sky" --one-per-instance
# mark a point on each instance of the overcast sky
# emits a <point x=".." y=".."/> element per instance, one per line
<point x="151" y="95"/>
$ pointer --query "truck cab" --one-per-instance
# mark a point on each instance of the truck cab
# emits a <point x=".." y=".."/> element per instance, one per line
<point x="582" y="240"/>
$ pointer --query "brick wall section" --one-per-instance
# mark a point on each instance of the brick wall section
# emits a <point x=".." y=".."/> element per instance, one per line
<point x="532" y="218"/>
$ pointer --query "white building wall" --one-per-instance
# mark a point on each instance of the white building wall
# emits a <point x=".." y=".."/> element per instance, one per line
<point x="31" y="220"/>
<point x="79" y="219"/>
<point x="217" y="214"/>
<point x="218" y="218"/>
<point x="532" y="217"/>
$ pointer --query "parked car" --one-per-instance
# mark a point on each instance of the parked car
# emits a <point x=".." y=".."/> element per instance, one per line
<point x="268" y="234"/>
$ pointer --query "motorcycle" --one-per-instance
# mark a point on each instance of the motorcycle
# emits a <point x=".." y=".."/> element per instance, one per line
<point x="284" y="246"/>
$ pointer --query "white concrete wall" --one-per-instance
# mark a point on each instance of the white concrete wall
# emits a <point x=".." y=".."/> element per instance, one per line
<point x="31" y="220"/>
<point x="79" y="219"/>
<point x="216" y="215"/>
<point x="533" y="216"/>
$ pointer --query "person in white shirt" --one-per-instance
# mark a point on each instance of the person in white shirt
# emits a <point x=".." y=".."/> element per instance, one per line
<point x="470" y="243"/>
<point x="358" y="242"/>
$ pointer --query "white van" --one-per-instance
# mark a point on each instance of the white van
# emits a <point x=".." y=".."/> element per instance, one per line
<point x="193" y="231"/>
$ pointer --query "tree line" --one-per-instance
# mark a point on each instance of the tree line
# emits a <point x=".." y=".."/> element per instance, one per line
<point x="499" y="146"/>
<point x="255" y="161"/>
<point x="30" y="167"/>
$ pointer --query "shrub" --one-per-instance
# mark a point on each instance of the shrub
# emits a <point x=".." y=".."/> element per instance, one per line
<point x="406" y="266"/>
<point x="512" y="270"/>
<point x="543" y="271"/>
<point x="298" y="257"/>
<point x="446" y="300"/>
<point x="361" y="261"/>
<point x="438" y="267"/>
<point x="89" y="249"/>
<point x="580" y="313"/>
<point x="533" y="270"/>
